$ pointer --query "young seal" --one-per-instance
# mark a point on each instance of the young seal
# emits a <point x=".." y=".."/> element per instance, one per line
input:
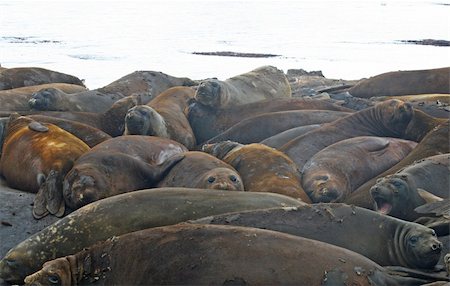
<point x="20" y="77"/>
<point x="164" y="116"/>
<point x="202" y="171"/>
<point x="383" y="239"/>
<point x="257" y="128"/>
<point x="207" y="122"/>
<point x="278" y="140"/>
<point x="419" y="183"/>
<point x="386" y="119"/>
<point x="109" y="169"/>
<point x="113" y="216"/>
<point x="262" y="169"/>
<point x="43" y="154"/>
<point x="404" y="83"/>
<point x="265" y="82"/>
<point x="337" y="170"/>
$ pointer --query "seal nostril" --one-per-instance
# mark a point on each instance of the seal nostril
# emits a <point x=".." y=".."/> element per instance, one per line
<point x="435" y="246"/>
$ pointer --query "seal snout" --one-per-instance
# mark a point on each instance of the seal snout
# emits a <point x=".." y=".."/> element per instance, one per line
<point x="381" y="199"/>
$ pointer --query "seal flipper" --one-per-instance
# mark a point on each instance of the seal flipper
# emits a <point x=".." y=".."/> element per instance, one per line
<point x="53" y="194"/>
<point x="160" y="171"/>
<point x="39" y="205"/>
<point x="37" y="126"/>
<point x="427" y="196"/>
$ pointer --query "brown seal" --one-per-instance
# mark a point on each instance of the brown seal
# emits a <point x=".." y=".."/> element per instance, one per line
<point x="265" y="82"/>
<point x="207" y="122"/>
<point x="113" y="216"/>
<point x="399" y="194"/>
<point x="215" y="255"/>
<point x="337" y="170"/>
<point x="121" y="164"/>
<point x="257" y="128"/>
<point x="202" y="171"/>
<point x="434" y="143"/>
<point x="404" y="83"/>
<point x="16" y="99"/>
<point x="35" y="158"/>
<point x="262" y="169"/>
<point x="278" y="140"/>
<point x="19" y="77"/>
<point x="386" y="119"/>
<point x="164" y="116"/>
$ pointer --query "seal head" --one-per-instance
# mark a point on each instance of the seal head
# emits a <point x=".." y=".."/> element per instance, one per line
<point x="45" y="99"/>
<point x="144" y="120"/>
<point x="208" y="92"/>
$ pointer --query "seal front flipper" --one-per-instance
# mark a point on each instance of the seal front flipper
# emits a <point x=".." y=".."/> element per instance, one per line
<point x="160" y="171"/>
<point x="427" y="196"/>
<point x="53" y="194"/>
<point x="37" y="126"/>
<point x="39" y="205"/>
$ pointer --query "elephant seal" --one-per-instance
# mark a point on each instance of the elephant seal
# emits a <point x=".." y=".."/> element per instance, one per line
<point x="265" y="82"/>
<point x="164" y="116"/>
<point x="337" y="170"/>
<point x="103" y="171"/>
<point x="43" y="154"/>
<point x="207" y="122"/>
<point x="20" y="77"/>
<point x="262" y="169"/>
<point x="16" y="99"/>
<point x="278" y="140"/>
<point x="404" y="83"/>
<point x="113" y="216"/>
<point x="218" y="255"/>
<point x="400" y="193"/>
<point x="434" y="143"/>
<point x="383" y="239"/>
<point x="53" y="99"/>
<point x="386" y="119"/>
<point x="202" y="171"/>
<point x="257" y="128"/>
<point x="435" y="215"/>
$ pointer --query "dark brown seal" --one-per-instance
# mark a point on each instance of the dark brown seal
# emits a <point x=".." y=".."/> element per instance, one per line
<point x="216" y="255"/>
<point x="386" y="119"/>
<point x="404" y="83"/>
<point x="35" y="158"/>
<point x="19" y="77"/>
<point x="419" y="183"/>
<point x="202" y="171"/>
<point x="119" y="165"/>
<point x="278" y="140"/>
<point x="337" y="170"/>
<point x="208" y="122"/>
<point x="113" y="216"/>
<point x="257" y="128"/>
<point x="164" y="116"/>
<point x="265" y="82"/>
<point x="383" y="239"/>
<point x="263" y="169"/>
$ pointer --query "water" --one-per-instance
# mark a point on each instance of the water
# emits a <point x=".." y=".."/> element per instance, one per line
<point x="101" y="41"/>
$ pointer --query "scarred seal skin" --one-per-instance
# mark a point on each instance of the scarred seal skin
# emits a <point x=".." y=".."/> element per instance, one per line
<point x="42" y="155"/>
<point x="404" y="83"/>
<point x="383" y="239"/>
<point x="202" y="171"/>
<point x="337" y="170"/>
<point x="164" y="116"/>
<point x="28" y="76"/>
<point x="400" y="193"/>
<point x="262" y="169"/>
<point x="386" y="119"/>
<point x="113" y="216"/>
<point x="265" y="82"/>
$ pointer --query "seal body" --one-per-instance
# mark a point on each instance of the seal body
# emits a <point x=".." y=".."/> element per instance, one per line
<point x="383" y="239"/>
<point x="339" y="169"/>
<point x="110" y="169"/>
<point x="202" y="171"/>
<point x="35" y="158"/>
<point x="404" y="83"/>
<point x="386" y="119"/>
<point x="20" y="77"/>
<point x="218" y="255"/>
<point x="279" y="139"/>
<point x="113" y="216"/>
<point x="164" y="116"/>
<point x="263" y="169"/>
<point x="400" y="193"/>
<point x="262" y="83"/>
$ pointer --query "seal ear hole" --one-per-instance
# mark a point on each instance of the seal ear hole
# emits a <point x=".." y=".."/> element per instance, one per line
<point x="54" y="279"/>
<point x="211" y="179"/>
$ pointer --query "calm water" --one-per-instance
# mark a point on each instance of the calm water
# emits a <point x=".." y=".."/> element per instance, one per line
<point x="102" y="41"/>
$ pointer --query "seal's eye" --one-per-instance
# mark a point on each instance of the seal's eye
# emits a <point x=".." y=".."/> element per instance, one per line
<point x="53" y="279"/>
<point x="397" y="184"/>
<point x="433" y="233"/>
<point x="211" y="179"/>
<point x="413" y="239"/>
<point x="233" y="178"/>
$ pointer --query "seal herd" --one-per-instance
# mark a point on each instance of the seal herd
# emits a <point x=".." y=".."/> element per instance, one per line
<point x="265" y="178"/>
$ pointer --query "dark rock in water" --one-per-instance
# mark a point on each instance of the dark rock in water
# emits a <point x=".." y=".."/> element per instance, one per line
<point x="428" y="42"/>
<point x="235" y="54"/>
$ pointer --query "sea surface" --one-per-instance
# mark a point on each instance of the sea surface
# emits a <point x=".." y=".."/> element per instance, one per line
<point x="101" y="41"/>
